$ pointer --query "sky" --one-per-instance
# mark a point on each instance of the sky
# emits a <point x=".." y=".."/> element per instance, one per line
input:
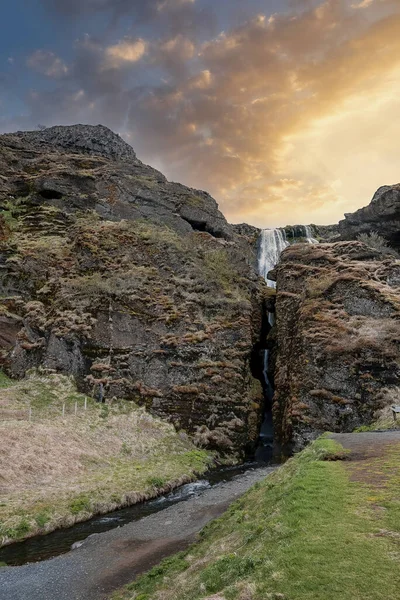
<point x="286" y="111"/>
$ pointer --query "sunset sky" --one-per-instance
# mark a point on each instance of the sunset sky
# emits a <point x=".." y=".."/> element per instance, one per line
<point x="285" y="111"/>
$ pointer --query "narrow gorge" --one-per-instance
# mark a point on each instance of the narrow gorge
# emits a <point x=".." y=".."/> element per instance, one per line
<point x="119" y="278"/>
<point x="185" y="342"/>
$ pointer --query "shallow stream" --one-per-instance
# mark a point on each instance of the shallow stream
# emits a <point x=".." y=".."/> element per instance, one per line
<point x="59" y="542"/>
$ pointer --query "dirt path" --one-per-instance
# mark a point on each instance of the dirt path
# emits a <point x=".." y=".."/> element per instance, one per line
<point x="109" y="560"/>
<point x="368" y="445"/>
<point x="368" y="454"/>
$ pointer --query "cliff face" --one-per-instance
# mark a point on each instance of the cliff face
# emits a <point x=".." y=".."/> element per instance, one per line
<point x="113" y="274"/>
<point x="381" y="216"/>
<point x="338" y="331"/>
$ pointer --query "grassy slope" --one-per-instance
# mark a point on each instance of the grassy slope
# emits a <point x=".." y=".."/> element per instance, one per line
<point x="305" y="533"/>
<point x="56" y="471"/>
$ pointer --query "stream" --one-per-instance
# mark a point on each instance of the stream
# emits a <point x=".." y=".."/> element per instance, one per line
<point x="114" y="549"/>
<point x="41" y="548"/>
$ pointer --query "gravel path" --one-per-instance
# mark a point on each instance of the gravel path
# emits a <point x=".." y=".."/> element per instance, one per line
<point x="368" y="444"/>
<point x="108" y="560"/>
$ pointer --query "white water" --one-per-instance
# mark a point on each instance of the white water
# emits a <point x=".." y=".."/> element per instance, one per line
<point x="273" y="242"/>
<point x="309" y="236"/>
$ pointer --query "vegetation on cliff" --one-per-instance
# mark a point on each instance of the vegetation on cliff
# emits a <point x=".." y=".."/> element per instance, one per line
<point x="114" y="275"/>
<point x="338" y="326"/>
<point x="61" y="464"/>
<point x="319" y="527"/>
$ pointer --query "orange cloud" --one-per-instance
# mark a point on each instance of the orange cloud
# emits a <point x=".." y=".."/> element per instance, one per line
<point x="287" y="118"/>
<point x="125" y="52"/>
<point x="265" y="108"/>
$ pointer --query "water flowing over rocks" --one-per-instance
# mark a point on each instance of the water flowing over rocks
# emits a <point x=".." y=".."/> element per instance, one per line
<point x="116" y="276"/>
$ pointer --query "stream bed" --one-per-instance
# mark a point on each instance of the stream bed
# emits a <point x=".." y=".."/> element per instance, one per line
<point x="61" y="541"/>
<point x="115" y="548"/>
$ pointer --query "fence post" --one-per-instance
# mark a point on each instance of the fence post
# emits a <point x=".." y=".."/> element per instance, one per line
<point x="85" y="403"/>
<point x="76" y="407"/>
<point x="63" y="410"/>
<point x="30" y="413"/>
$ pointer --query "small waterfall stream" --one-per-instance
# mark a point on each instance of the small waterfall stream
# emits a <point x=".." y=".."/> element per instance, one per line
<point x="309" y="237"/>
<point x="272" y="243"/>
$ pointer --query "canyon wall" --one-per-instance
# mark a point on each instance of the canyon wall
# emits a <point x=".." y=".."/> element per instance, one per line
<point x="116" y="276"/>
<point x="337" y="338"/>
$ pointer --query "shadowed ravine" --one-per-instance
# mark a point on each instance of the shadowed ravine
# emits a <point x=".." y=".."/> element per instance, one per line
<point x="108" y="560"/>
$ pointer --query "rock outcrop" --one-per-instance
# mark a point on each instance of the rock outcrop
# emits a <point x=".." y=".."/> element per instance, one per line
<point x="338" y="332"/>
<point x="113" y="274"/>
<point x="381" y="216"/>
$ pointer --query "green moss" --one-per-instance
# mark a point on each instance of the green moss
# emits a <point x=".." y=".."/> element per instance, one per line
<point x="222" y="271"/>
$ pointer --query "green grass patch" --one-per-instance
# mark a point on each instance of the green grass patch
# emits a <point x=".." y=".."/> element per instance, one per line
<point x="110" y="456"/>
<point x="4" y="380"/>
<point x="156" y="482"/>
<point x="80" y="504"/>
<point x="307" y="532"/>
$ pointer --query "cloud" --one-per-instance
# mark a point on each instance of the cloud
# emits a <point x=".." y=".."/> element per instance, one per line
<point x="284" y="118"/>
<point x="144" y="7"/>
<point x="47" y="63"/>
<point x="124" y="52"/>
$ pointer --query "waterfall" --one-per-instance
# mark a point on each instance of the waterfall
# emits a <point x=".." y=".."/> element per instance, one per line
<point x="265" y="447"/>
<point x="273" y="242"/>
<point x="269" y="390"/>
<point x="308" y="235"/>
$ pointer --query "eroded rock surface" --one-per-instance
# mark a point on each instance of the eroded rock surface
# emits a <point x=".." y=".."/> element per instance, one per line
<point x="113" y="274"/>
<point x="381" y="216"/>
<point x="338" y="332"/>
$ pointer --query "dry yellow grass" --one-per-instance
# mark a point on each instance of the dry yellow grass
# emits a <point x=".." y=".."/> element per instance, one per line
<point x="57" y="470"/>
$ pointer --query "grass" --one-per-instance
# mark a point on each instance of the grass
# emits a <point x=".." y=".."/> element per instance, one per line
<point x="307" y="532"/>
<point x="4" y="380"/>
<point x="57" y="470"/>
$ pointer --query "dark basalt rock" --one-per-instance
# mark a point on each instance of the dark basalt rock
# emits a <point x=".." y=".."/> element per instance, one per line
<point x="381" y="216"/>
<point x="110" y="273"/>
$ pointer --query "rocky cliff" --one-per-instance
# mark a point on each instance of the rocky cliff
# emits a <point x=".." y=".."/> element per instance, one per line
<point x="337" y="338"/>
<point x="113" y="274"/>
<point x="381" y="216"/>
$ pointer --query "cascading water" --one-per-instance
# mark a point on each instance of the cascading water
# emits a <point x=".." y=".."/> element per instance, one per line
<point x="309" y="237"/>
<point x="272" y="244"/>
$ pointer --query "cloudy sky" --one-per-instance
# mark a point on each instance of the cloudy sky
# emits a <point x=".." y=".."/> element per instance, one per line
<point x="286" y="111"/>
